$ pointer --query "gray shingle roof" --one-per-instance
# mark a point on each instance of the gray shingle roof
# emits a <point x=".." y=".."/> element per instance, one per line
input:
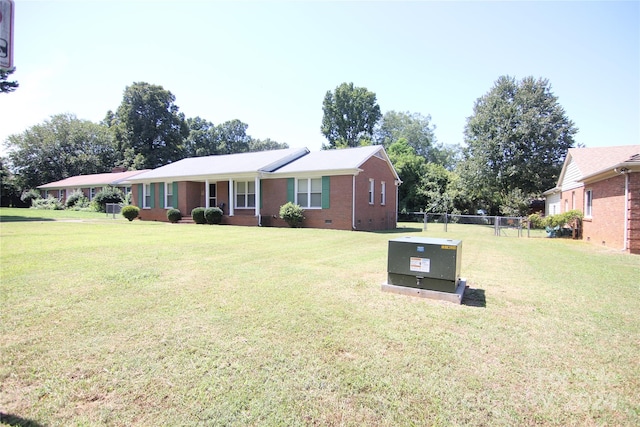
<point x="596" y="159"/>
<point x="229" y="164"/>
<point x="333" y="160"/>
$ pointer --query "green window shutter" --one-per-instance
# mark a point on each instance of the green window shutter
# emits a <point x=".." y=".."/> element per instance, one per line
<point x="175" y="195"/>
<point x="326" y="191"/>
<point x="140" y="200"/>
<point x="152" y="196"/>
<point x="291" y="188"/>
<point x="161" y="188"/>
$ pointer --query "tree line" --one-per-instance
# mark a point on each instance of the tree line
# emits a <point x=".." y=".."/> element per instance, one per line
<point x="514" y="144"/>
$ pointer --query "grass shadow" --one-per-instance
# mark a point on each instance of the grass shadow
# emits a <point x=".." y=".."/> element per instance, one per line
<point x="399" y="230"/>
<point x="14" y="420"/>
<point x="16" y="218"/>
<point x="474" y="298"/>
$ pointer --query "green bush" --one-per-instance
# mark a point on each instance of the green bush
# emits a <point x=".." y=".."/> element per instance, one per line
<point x="29" y="196"/>
<point x="77" y="200"/>
<point x="560" y="220"/>
<point x="292" y="214"/>
<point x="50" y="203"/>
<point x="174" y="215"/>
<point x="130" y="212"/>
<point x="107" y="195"/>
<point x="536" y="221"/>
<point x="197" y="214"/>
<point x="213" y="215"/>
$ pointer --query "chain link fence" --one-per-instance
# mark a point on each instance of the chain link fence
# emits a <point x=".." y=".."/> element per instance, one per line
<point x="503" y="226"/>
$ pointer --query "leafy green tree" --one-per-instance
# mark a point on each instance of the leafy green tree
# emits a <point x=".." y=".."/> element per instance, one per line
<point x="202" y="139"/>
<point x="148" y="124"/>
<point x="232" y="137"/>
<point x="266" y="144"/>
<point x="59" y="148"/>
<point x="410" y="168"/>
<point x="9" y="191"/>
<point x="350" y="114"/>
<point x="516" y="139"/>
<point x="5" y="85"/>
<point x="414" y="127"/>
<point x="419" y="133"/>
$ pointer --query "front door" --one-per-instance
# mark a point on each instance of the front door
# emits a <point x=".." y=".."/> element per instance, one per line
<point x="213" y="195"/>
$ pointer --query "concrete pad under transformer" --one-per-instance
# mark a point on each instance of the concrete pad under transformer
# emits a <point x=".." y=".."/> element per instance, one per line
<point x="454" y="297"/>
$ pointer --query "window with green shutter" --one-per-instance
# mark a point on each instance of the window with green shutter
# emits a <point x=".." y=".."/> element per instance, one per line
<point x="326" y="192"/>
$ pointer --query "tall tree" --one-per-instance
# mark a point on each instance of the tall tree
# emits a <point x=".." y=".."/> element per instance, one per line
<point x="419" y="133"/>
<point x="516" y="139"/>
<point x="59" y="148"/>
<point x="202" y="139"/>
<point x="414" y="127"/>
<point x="350" y="114"/>
<point x="266" y="144"/>
<point x="232" y="137"/>
<point x="410" y="168"/>
<point x="6" y="85"/>
<point x="148" y="124"/>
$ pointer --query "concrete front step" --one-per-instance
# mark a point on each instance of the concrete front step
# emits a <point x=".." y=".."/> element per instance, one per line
<point x="186" y="220"/>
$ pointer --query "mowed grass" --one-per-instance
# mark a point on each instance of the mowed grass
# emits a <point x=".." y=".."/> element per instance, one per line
<point x="107" y="322"/>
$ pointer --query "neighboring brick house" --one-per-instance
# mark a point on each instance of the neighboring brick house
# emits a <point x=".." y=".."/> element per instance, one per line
<point x="348" y="189"/>
<point x="90" y="185"/>
<point x="603" y="183"/>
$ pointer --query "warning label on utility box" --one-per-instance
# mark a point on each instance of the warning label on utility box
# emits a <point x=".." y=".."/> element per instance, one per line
<point x="420" y="264"/>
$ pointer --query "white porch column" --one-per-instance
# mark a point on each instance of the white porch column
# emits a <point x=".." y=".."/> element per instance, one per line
<point x="231" y="197"/>
<point x="206" y="193"/>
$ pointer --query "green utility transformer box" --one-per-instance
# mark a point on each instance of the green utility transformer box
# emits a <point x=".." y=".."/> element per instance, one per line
<point x="424" y="263"/>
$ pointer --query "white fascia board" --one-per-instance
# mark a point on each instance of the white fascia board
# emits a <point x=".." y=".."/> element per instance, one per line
<point x="197" y="178"/>
<point x="314" y="173"/>
<point x="611" y="171"/>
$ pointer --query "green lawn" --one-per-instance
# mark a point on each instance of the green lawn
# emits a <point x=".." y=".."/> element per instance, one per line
<point x="110" y="322"/>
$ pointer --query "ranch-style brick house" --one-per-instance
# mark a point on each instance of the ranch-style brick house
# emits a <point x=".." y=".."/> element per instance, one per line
<point x="89" y="185"/>
<point x="603" y="183"/>
<point x="348" y="189"/>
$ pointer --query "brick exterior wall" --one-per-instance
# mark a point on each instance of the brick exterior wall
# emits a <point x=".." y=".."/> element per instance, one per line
<point x="606" y="225"/>
<point x="634" y="213"/>
<point x="375" y="216"/>
<point x="572" y="199"/>
<point x="368" y="216"/>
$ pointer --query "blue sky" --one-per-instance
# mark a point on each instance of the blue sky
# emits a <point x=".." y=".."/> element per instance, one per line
<point x="270" y="64"/>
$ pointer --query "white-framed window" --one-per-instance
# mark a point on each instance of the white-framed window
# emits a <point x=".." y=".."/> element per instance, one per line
<point x="146" y="196"/>
<point x="588" y="203"/>
<point x="383" y="193"/>
<point x="168" y="195"/>
<point x="92" y="193"/>
<point x="372" y="184"/>
<point x="61" y="194"/>
<point x="309" y="192"/>
<point x="245" y="194"/>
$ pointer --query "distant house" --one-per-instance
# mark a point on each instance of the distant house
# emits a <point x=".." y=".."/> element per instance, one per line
<point x="348" y="189"/>
<point x="603" y="183"/>
<point x="89" y="185"/>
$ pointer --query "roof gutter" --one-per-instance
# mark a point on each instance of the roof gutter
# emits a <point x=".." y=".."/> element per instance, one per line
<point x="353" y="204"/>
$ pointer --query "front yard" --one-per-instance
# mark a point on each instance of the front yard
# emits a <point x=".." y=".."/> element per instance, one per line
<point x="109" y="322"/>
